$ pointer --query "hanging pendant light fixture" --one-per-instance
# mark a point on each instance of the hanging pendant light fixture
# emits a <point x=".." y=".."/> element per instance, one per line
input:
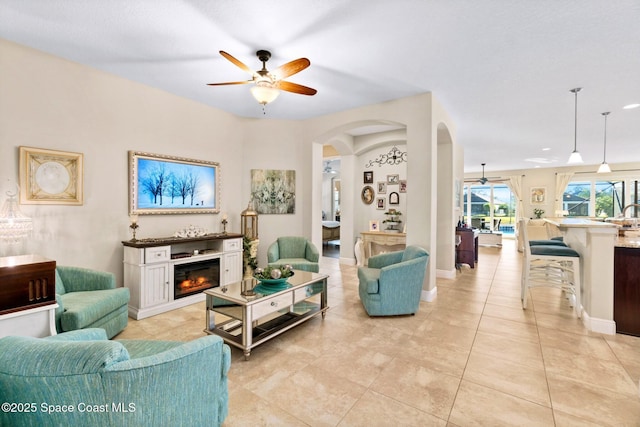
<point x="604" y="167"/>
<point x="575" y="156"/>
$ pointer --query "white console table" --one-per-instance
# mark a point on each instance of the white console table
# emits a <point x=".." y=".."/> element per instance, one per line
<point x="149" y="269"/>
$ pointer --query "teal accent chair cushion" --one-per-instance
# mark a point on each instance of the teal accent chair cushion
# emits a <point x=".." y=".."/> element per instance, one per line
<point x="549" y="242"/>
<point x="114" y="383"/>
<point x="554" y="250"/>
<point x="90" y="299"/>
<point x="391" y="284"/>
<point x="297" y="251"/>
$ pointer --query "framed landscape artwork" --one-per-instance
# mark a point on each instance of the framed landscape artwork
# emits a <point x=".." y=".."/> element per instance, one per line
<point x="160" y="184"/>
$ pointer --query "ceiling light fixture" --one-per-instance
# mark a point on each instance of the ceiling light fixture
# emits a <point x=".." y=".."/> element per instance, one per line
<point x="264" y="92"/>
<point x="575" y="156"/>
<point x="631" y="106"/>
<point x="604" y="167"/>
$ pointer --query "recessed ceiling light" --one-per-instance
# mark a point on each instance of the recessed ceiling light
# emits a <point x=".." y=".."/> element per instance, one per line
<point x="540" y="160"/>
<point x="546" y="149"/>
<point x="631" y="106"/>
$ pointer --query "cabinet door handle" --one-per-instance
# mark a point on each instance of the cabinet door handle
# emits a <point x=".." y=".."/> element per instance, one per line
<point x="274" y="304"/>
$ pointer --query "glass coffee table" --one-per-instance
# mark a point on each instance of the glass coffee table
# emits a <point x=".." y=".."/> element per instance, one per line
<point x="246" y="314"/>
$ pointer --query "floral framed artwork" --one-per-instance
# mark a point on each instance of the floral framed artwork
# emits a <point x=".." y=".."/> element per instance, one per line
<point x="51" y="177"/>
<point x="538" y="195"/>
<point x="374" y="225"/>
<point x="380" y="203"/>
<point x="160" y="184"/>
<point x="403" y="185"/>
<point x="273" y="191"/>
<point x="382" y="187"/>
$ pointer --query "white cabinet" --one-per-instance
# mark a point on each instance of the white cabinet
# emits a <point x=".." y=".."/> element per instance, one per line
<point x="156" y="284"/>
<point x="150" y="265"/>
<point x="231" y="268"/>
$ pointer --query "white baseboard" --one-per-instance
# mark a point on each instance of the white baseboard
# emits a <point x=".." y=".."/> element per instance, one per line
<point x="602" y="326"/>
<point x="347" y="261"/>
<point x="446" y="274"/>
<point x="429" y="296"/>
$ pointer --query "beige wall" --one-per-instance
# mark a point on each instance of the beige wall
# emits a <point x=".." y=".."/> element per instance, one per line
<point x="48" y="102"/>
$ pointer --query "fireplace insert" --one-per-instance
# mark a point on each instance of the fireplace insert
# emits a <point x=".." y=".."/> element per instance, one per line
<point x="195" y="277"/>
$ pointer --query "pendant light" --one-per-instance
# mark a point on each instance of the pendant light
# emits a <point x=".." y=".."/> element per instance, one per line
<point x="575" y="156"/>
<point x="604" y="167"/>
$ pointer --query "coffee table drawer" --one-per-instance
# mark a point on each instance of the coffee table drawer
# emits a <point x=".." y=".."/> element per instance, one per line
<point x="271" y="305"/>
<point x="306" y="292"/>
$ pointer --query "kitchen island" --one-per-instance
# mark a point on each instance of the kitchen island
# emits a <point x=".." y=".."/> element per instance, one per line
<point x="595" y="242"/>
<point x="626" y="295"/>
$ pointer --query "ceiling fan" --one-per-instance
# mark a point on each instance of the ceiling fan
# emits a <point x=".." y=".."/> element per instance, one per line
<point x="484" y="179"/>
<point x="328" y="168"/>
<point x="269" y="83"/>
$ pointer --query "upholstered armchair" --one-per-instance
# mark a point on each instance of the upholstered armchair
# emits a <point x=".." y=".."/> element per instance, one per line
<point x="81" y="378"/>
<point x="392" y="283"/>
<point x="297" y="251"/>
<point x="90" y="299"/>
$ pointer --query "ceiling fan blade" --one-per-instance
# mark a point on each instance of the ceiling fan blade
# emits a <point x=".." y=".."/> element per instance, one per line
<point x="236" y="62"/>
<point x="291" y="68"/>
<point x="230" y="83"/>
<point x="296" y="88"/>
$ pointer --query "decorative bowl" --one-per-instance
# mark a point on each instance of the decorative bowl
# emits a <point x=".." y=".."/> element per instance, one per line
<point x="273" y="282"/>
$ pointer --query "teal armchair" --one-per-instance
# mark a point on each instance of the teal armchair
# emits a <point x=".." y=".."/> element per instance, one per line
<point x="297" y="251"/>
<point x="90" y="299"/>
<point x="392" y="283"/>
<point x="113" y="383"/>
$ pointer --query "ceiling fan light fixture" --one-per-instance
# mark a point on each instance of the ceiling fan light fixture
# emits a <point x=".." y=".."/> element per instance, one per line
<point x="575" y="157"/>
<point x="264" y="92"/>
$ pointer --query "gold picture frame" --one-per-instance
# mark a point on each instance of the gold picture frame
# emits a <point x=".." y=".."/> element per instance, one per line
<point x="51" y="177"/>
<point x="538" y="195"/>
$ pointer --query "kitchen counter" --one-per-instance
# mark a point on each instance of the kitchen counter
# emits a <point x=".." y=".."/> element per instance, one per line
<point x="631" y="239"/>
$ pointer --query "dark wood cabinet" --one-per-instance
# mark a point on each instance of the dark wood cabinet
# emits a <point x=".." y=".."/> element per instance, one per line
<point x="26" y="281"/>
<point x="467" y="250"/>
<point x="626" y="290"/>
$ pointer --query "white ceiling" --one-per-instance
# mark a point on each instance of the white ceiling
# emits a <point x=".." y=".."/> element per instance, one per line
<point x="501" y="68"/>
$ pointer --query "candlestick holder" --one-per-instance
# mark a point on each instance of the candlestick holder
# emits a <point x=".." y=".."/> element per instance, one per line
<point x="224" y="226"/>
<point x="134" y="226"/>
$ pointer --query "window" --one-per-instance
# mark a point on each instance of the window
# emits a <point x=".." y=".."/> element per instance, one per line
<point x="490" y="207"/>
<point x="599" y="198"/>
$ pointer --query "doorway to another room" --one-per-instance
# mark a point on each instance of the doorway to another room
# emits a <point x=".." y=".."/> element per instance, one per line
<point x="331" y="195"/>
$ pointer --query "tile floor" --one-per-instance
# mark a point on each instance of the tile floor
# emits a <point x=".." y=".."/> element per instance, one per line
<point x="471" y="357"/>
